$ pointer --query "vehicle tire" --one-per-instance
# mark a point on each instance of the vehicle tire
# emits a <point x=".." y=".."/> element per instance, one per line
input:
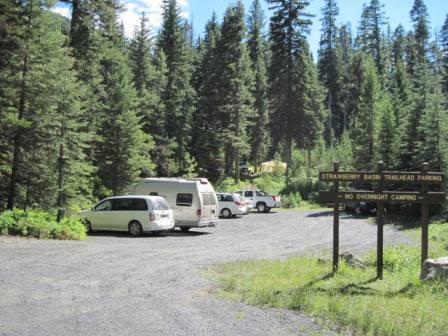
<point x="88" y="225"/>
<point x="261" y="207"/>
<point x="226" y="213"/>
<point x="267" y="210"/>
<point x="135" y="229"/>
<point x="185" y="228"/>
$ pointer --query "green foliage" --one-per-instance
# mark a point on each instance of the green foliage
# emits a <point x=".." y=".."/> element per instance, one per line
<point x="229" y="185"/>
<point x="271" y="184"/>
<point x="291" y="201"/>
<point x="40" y="224"/>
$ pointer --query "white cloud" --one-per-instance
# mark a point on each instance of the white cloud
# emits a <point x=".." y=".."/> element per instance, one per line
<point x="133" y="10"/>
<point x="153" y="10"/>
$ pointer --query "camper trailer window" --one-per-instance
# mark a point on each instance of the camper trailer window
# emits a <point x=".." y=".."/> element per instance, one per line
<point x="206" y="198"/>
<point x="184" y="199"/>
<point x="212" y="199"/>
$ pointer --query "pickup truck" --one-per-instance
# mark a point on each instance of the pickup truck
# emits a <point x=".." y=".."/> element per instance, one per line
<point x="260" y="200"/>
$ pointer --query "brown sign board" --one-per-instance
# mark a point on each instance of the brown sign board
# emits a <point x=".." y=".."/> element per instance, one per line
<point x="382" y="197"/>
<point x="392" y="177"/>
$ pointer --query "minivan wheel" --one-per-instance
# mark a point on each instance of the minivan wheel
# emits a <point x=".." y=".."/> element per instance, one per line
<point x="226" y="213"/>
<point x="261" y="207"/>
<point x="88" y="226"/>
<point x="135" y="229"/>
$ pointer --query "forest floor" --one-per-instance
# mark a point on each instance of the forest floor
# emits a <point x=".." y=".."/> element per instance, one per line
<point x="112" y="284"/>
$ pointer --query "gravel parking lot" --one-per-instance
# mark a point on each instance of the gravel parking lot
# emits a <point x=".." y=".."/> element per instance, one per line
<point x="112" y="284"/>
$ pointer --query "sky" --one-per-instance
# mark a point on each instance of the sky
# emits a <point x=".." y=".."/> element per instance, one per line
<point x="200" y="11"/>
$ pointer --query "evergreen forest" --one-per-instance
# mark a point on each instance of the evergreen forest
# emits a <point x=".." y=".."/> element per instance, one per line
<point x="85" y="111"/>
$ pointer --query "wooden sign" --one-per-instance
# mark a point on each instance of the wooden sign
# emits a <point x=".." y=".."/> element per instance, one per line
<point x="381" y="197"/>
<point x="393" y="177"/>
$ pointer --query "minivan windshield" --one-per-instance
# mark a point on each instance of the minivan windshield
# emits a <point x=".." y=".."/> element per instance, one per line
<point x="160" y="204"/>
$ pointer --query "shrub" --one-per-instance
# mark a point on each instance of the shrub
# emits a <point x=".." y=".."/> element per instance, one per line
<point x="40" y="224"/>
<point x="270" y="183"/>
<point x="291" y="201"/>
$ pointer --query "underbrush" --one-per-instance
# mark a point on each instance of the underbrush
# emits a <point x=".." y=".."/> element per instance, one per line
<point x="352" y="298"/>
<point x="40" y="224"/>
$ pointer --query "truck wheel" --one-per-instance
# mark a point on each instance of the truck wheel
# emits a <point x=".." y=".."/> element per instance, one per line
<point x="135" y="229"/>
<point x="267" y="210"/>
<point x="261" y="207"/>
<point x="226" y="213"/>
<point x="185" y="228"/>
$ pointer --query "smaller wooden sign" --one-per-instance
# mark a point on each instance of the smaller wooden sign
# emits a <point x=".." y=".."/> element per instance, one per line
<point x="382" y="197"/>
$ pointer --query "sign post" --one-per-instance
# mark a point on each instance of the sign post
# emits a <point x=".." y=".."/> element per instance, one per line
<point x="424" y="218"/>
<point x="380" y="228"/>
<point x="380" y="196"/>
<point x="336" y="222"/>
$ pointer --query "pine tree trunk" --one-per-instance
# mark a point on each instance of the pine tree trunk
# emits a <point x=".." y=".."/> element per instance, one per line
<point x="237" y="152"/>
<point x="309" y="164"/>
<point x="288" y="152"/>
<point x="18" y="139"/>
<point x="60" y="202"/>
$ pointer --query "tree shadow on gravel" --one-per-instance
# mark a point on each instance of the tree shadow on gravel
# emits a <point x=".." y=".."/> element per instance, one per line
<point x="147" y="235"/>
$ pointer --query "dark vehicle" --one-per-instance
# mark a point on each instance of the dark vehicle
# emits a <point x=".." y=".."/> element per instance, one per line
<point x="360" y="207"/>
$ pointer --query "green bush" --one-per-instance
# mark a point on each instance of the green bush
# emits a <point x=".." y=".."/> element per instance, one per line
<point x="270" y="183"/>
<point x="229" y="185"/>
<point x="291" y="201"/>
<point x="396" y="259"/>
<point x="40" y="224"/>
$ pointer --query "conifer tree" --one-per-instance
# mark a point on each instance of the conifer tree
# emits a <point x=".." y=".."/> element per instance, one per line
<point x="289" y="25"/>
<point x="370" y="32"/>
<point x="444" y="50"/>
<point x="420" y="18"/>
<point x="363" y="131"/>
<point x="398" y="44"/>
<point x="259" y="135"/>
<point x="344" y="50"/>
<point x="433" y="126"/>
<point x="122" y="150"/>
<point x="149" y="77"/>
<point x="206" y="140"/>
<point x="386" y="131"/>
<point x="178" y="95"/>
<point x="235" y="86"/>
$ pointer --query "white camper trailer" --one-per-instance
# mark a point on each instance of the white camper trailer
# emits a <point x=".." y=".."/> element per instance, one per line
<point x="193" y="201"/>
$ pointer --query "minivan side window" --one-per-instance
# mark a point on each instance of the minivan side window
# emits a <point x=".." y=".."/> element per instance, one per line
<point x="227" y="198"/>
<point x="184" y="199"/>
<point x="138" y="204"/>
<point x="104" y="206"/>
<point x="129" y="204"/>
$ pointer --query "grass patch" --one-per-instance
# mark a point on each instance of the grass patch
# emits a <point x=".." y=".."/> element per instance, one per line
<point x="399" y="305"/>
<point x="40" y="224"/>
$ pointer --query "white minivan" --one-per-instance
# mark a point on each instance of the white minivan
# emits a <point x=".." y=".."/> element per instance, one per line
<point x="231" y="204"/>
<point x="193" y="201"/>
<point x="135" y="214"/>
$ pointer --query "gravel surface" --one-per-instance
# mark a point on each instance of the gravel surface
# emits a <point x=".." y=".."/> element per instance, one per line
<point x="112" y="284"/>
